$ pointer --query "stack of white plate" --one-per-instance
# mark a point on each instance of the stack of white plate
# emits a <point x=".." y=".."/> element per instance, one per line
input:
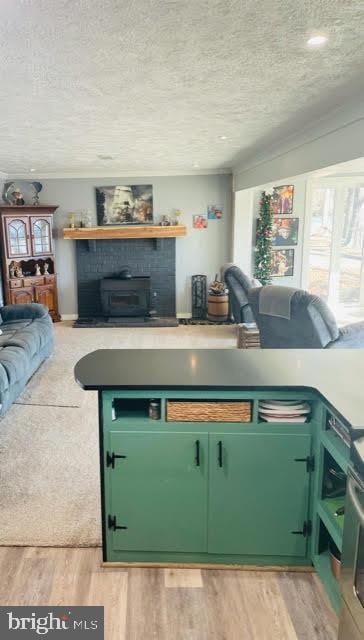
<point x="284" y="410"/>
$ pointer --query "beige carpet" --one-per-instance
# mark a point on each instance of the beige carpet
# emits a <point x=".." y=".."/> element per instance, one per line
<point x="49" y="473"/>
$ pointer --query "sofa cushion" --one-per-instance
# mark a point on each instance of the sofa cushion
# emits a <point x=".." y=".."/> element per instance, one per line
<point x="15" y="361"/>
<point x="4" y="380"/>
<point x="19" y="343"/>
<point x="15" y="325"/>
<point x="28" y="339"/>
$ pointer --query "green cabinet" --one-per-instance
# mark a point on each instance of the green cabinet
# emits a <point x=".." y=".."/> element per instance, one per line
<point x="212" y="494"/>
<point x="158" y="491"/>
<point x="258" y="493"/>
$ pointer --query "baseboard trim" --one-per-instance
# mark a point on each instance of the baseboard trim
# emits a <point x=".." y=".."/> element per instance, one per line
<point x="201" y="565"/>
<point x="184" y="314"/>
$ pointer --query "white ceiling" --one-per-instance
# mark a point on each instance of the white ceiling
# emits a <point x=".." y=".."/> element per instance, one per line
<point x="155" y="83"/>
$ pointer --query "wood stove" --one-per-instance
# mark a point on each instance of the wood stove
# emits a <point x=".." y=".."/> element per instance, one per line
<point x="125" y="297"/>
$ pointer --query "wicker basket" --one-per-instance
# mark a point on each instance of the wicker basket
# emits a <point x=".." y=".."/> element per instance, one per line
<point x="211" y="411"/>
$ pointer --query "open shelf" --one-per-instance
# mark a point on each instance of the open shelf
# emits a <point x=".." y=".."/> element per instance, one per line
<point x="131" y="410"/>
<point x="337" y="448"/>
<point x="334" y="524"/>
<point x="304" y="419"/>
<point x="322" y="565"/>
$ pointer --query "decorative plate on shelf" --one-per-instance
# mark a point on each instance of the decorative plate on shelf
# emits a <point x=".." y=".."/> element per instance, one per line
<point x="21" y="190"/>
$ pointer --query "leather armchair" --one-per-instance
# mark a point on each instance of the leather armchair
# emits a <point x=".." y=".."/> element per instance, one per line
<point x="311" y="325"/>
<point x="239" y="285"/>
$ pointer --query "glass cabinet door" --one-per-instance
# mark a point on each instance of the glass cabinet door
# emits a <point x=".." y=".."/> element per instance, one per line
<point x="18" y="237"/>
<point x="41" y="236"/>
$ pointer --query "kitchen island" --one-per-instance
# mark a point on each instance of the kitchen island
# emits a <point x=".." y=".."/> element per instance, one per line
<point x="192" y="474"/>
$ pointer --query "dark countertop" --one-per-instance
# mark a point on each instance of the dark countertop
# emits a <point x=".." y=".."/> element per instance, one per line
<point x="336" y="374"/>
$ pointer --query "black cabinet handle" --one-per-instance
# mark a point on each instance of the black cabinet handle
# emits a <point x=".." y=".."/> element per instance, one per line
<point x="197" y="457"/>
<point x="219" y="446"/>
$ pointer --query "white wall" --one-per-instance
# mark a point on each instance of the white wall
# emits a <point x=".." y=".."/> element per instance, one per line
<point x="201" y="252"/>
<point x="246" y="212"/>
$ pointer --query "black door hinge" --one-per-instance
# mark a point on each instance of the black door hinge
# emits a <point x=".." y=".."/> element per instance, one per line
<point x="306" y="530"/>
<point x="110" y="459"/>
<point x="111" y="523"/>
<point x="310" y="463"/>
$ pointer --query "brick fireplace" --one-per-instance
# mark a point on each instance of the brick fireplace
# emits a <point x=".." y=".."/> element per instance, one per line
<point x="146" y="258"/>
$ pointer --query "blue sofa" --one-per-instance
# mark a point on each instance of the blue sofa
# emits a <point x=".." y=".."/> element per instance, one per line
<point x="26" y="340"/>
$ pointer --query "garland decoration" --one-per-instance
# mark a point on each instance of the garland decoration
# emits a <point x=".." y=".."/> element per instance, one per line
<point x="263" y="248"/>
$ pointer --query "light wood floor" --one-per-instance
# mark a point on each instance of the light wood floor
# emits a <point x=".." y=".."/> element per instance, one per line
<point x="170" y="604"/>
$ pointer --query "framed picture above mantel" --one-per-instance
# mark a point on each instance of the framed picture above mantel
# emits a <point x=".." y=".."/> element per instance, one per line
<point x="124" y="205"/>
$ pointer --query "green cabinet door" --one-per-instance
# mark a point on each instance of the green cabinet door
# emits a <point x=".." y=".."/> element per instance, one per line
<point x="159" y="491"/>
<point x="258" y="494"/>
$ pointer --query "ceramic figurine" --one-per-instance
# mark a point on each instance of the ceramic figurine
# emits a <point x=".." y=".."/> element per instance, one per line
<point x="165" y="222"/>
<point x="12" y="271"/>
<point x="178" y="214"/>
<point x="46" y="267"/>
<point x="37" y="270"/>
<point x="18" y="271"/>
<point x="86" y="218"/>
<point x="18" y="199"/>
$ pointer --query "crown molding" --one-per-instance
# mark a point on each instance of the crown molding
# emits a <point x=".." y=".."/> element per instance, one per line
<point x="74" y="175"/>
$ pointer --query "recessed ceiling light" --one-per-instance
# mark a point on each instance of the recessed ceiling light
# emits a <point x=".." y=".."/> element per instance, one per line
<point x="317" y="41"/>
<point x="31" y="170"/>
<point x="100" y="157"/>
<point x="196" y="165"/>
<point x="223" y="137"/>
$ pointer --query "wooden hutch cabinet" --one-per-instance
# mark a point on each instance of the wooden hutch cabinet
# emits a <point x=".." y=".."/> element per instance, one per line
<point x="28" y="261"/>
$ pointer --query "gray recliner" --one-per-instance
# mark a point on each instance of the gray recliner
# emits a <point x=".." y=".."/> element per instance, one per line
<point x="239" y="285"/>
<point x="311" y="324"/>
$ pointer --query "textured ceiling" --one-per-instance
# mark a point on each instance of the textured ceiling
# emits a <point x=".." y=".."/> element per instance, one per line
<point x="155" y="83"/>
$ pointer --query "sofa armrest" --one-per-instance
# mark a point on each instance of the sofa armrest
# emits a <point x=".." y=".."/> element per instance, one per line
<point x="31" y="311"/>
<point x="350" y="337"/>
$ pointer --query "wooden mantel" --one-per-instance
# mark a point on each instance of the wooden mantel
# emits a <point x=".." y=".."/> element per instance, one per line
<point x="123" y="232"/>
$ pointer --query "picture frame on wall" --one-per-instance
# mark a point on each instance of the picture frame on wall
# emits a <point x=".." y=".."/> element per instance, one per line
<point x="282" y="200"/>
<point x="199" y="221"/>
<point x="124" y="204"/>
<point x="284" y="232"/>
<point x="214" y="212"/>
<point x="282" y="263"/>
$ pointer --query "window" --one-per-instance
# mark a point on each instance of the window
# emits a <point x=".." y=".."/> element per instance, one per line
<point x="18" y="238"/>
<point x="334" y="246"/>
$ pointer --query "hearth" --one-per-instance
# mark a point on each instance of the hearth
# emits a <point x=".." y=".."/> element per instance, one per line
<point x="125" y="297"/>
